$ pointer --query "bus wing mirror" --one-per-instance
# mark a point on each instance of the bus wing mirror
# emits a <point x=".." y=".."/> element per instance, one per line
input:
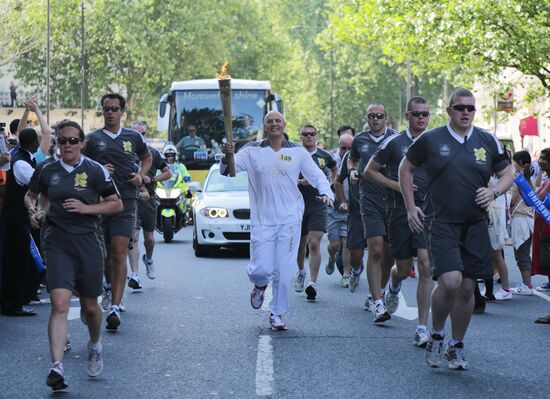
<point x="163" y="113"/>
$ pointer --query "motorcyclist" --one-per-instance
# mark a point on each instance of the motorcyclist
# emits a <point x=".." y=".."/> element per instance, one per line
<point x="180" y="175"/>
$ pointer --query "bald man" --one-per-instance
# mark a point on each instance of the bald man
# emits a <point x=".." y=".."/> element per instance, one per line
<point x="338" y="216"/>
<point x="276" y="210"/>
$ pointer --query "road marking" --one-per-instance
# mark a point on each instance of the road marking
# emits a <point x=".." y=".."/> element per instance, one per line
<point x="74" y="313"/>
<point x="404" y="311"/>
<point x="541" y="295"/>
<point x="264" y="366"/>
<point x="268" y="297"/>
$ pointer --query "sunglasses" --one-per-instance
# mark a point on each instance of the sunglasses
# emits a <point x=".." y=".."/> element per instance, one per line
<point x="308" y="134"/>
<point x="462" y="107"/>
<point x="112" y="109"/>
<point x="70" y="140"/>
<point x="345" y="148"/>
<point x="378" y="115"/>
<point x="417" y="114"/>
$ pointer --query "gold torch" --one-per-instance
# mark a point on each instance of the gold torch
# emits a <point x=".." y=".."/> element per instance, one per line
<point x="224" y="82"/>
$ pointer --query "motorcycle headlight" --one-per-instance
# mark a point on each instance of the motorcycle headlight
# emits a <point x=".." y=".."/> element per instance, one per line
<point x="167" y="193"/>
<point x="214" y="213"/>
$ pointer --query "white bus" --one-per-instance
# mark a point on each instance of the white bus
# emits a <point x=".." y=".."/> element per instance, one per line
<point x="195" y="105"/>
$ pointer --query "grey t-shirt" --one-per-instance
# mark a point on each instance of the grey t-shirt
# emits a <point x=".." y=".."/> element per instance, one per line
<point x="363" y="148"/>
<point x="390" y="154"/>
<point x="455" y="171"/>
<point x="121" y="152"/>
<point x="87" y="182"/>
<point x="158" y="164"/>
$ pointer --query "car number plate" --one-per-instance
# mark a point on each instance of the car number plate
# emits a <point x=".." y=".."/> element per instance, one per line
<point x="245" y="227"/>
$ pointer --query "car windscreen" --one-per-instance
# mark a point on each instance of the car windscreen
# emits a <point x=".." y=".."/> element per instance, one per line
<point x="219" y="183"/>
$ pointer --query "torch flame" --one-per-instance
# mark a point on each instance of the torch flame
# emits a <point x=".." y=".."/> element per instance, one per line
<point x="222" y="72"/>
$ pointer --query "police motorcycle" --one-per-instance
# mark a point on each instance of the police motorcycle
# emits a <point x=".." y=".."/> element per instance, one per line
<point x="174" y="196"/>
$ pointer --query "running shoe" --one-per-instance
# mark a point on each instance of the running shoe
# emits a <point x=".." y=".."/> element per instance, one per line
<point x="369" y="303"/>
<point x="380" y="313"/>
<point x="311" y="292"/>
<point x="345" y="281"/>
<point x="503" y="295"/>
<point x="68" y="346"/>
<point x="133" y="283"/>
<point x="94" y="364"/>
<point x="122" y="307"/>
<point x="421" y="338"/>
<point x="455" y="356"/>
<point x="522" y="289"/>
<point x="106" y="298"/>
<point x="329" y="268"/>
<point x="354" y="280"/>
<point x="277" y="323"/>
<point x="299" y="282"/>
<point x="257" y="297"/>
<point x="544" y="287"/>
<point x="150" y="267"/>
<point x="435" y="349"/>
<point x="392" y="301"/>
<point x="56" y="379"/>
<point x="113" y="319"/>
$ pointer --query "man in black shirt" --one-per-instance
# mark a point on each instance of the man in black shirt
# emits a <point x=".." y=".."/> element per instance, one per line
<point x="314" y="223"/>
<point x="459" y="159"/>
<point x="147" y="213"/>
<point x="373" y="209"/>
<point x="116" y="148"/>
<point x="405" y="244"/>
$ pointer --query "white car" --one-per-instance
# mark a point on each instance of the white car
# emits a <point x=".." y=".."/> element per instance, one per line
<point x="221" y="212"/>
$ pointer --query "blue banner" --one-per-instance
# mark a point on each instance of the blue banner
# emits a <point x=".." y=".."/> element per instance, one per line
<point x="38" y="263"/>
<point x="532" y="199"/>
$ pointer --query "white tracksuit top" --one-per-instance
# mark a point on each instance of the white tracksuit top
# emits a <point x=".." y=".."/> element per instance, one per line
<point x="273" y="181"/>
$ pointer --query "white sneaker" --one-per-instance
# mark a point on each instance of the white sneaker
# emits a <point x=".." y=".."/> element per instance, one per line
<point x="299" y="282"/>
<point x="150" y="267"/>
<point x="421" y="338"/>
<point x="277" y="323"/>
<point x="94" y="364"/>
<point x="380" y="313"/>
<point x="544" y="287"/>
<point x="522" y="289"/>
<point x="369" y="303"/>
<point x="502" y="295"/>
<point x="391" y="301"/>
<point x="106" y="298"/>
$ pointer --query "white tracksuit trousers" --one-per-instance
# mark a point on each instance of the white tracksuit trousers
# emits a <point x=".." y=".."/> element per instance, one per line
<point x="273" y="252"/>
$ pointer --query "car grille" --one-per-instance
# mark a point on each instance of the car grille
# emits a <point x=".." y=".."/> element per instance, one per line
<point x="237" y="236"/>
<point x="241" y="213"/>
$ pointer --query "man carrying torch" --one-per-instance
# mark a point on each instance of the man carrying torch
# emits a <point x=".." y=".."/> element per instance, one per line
<point x="276" y="209"/>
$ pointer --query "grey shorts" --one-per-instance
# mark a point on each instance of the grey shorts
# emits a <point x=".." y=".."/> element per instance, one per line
<point x="337" y="223"/>
<point x="74" y="263"/>
<point x="356" y="233"/>
<point x="147" y="215"/>
<point x="463" y="247"/>
<point x="315" y="218"/>
<point x="122" y="224"/>
<point x="403" y="242"/>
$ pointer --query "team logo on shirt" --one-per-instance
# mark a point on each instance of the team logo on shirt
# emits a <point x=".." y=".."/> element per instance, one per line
<point x="81" y="181"/>
<point x="284" y="157"/>
<point x="127" y="146"/>
<point x="480" y="154"/>
<point x="322" y="162"/>
<point x="444" y="150"/>
<point x="54" y="181"/>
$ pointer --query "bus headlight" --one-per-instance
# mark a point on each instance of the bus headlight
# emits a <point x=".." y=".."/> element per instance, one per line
<point x="214" y="213"/>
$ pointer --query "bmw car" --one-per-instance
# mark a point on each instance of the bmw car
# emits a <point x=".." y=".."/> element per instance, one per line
<point x="221" y="213"/>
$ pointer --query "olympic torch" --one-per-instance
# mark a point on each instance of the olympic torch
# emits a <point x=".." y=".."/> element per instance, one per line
<point x="224" y="82"/>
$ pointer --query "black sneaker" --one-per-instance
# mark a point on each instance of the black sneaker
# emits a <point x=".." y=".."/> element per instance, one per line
<point x="55" y="379"/>
<point x="113" y="321"/>
<point x="134" y="284"/>
<point x="311" y="292"/>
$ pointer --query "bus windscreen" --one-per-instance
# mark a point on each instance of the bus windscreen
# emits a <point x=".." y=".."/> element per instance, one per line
<point x="199" y="124"/>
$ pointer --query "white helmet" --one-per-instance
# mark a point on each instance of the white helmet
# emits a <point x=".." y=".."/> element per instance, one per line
<point x="170" y="148"/>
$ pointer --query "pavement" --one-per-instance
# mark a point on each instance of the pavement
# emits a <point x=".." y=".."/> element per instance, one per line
<point x="191" y="333"/>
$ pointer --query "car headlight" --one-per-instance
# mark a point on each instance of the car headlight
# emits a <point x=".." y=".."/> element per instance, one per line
<point x="167" y="193"/>
<point x="214" y="213"/>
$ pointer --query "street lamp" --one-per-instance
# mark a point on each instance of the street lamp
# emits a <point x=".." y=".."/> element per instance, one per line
<point x="331" y="97"/>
